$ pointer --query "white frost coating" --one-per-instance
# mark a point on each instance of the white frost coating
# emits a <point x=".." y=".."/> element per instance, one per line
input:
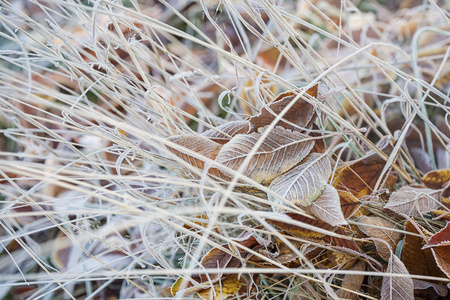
<point x="327" y="207"/>
<point x="304" y="183"/>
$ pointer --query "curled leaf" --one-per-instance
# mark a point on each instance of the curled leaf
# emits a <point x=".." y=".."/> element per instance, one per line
<point x="439" y="289"/>
<point x="396" y="287"/>
<point x="379" y="228"/>
<point x="300" y="114"/>
<point x="440" y="246"/>
<point x="327" y="207"/>
<point x="412" y="201"/>
<point x="281" y="150"/>
<point x="304" y="183"/>
<point x="349" y="203"/>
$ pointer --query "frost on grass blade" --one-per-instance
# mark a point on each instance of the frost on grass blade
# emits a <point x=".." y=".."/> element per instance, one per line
<point x="304" y="183"/>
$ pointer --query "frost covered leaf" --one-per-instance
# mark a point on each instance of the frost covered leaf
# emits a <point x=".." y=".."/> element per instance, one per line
<point x="379" y="228"/>
<point x="395" y="287"/>
<point x="349" y="203"/>
<point x="304" y="183"/>
<point x="413" y="201"/>
<point x="301" y="113"/>
<point x="440" y="246"/>
<point x="416" y="260"/>
<point x="352" y="282"/>
<point x="223" y="289"/>
<point x="327" y="207"/>
<point x="223" y="133"/>
<point x="440" y="289"/>
<point x="281" y="150"/>
<point x="203" y="146"/>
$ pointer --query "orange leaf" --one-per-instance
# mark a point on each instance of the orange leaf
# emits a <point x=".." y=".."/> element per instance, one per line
<point x="349" y="203"/>
<point x="300" y="114"/>
<point x="300" y="231"/>
<point x="223" y="289"/>
<point x="416" y="260"/>
<point x="436" y="179"/>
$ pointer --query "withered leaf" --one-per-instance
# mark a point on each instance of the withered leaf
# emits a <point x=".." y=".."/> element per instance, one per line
<point x="304" y="183"/>
<point x="327" y="207"/>
<point x="281" y="150"/>
<point x="203" y="146"/>
<point x="360" y="176"/>
<point x="379" y="228"/>
<point x="440" y="289"/>
<point x="301" y="113"/>
<point x="436" y="179"/>
<point x="352" y="282"/>
<point x="349" y="203"/>
<point x="223" y="289"/>
<point x="300" y="231"/>
<point x="440" y="246"/>
<point x="216" y="258"/>
<point x="413" y="201"/>
<point x="395" y="287"/>
<point x="416" y="260"/>
<point x="222" y="134"/>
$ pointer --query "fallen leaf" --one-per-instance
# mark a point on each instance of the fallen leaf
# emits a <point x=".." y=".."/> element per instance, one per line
<point x="304" y="183"/>
<point x="222" y="134"/>
<point x="440" y="289"/>
<point x="395" y="287"/>
<point x="223" y="289"/>
<point x="360" y="176"/>
<point x="416" y="260"/>
<point x="349" y="203"/>
<point x="300" y="114"/>
<point x="440" y="246"/>
<point x="204" y="147"/>
<point x="436" y="179"/>
<point x="299" y="230"/>
<point x="352" y="282"/>
<point x="281" y="150"/>
<point x="413" y="201"/>
<point x="379" y="228"/>
<point x="327" y="207"/>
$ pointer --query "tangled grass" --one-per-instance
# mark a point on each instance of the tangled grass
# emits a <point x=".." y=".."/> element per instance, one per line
<point x="93" y="206"/>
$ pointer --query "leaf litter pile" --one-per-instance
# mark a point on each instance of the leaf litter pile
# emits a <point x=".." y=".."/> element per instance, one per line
<point x="224" y="149"/>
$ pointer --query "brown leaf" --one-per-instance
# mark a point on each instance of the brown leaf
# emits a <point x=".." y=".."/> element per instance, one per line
<point x="412" y="201"/>
<point x="327" y="207"/>
<point x="416" y="260"/>
<point x="394" y="287"/>
<point x="352" y="282"/>
<point x="359" y="177"/>
<point x="301" y="113"/>
<point x="349" y="203"/>
<point x="281" y="150"/>
<point x="223" y="133"/>
<point x="439" y="289"/>
<point x="199" y="144"/>
<point x="379" y="228"/>
<point x="302" y="184"/>
<point x="298" y="230"/>
<point x="440" y="246"/>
